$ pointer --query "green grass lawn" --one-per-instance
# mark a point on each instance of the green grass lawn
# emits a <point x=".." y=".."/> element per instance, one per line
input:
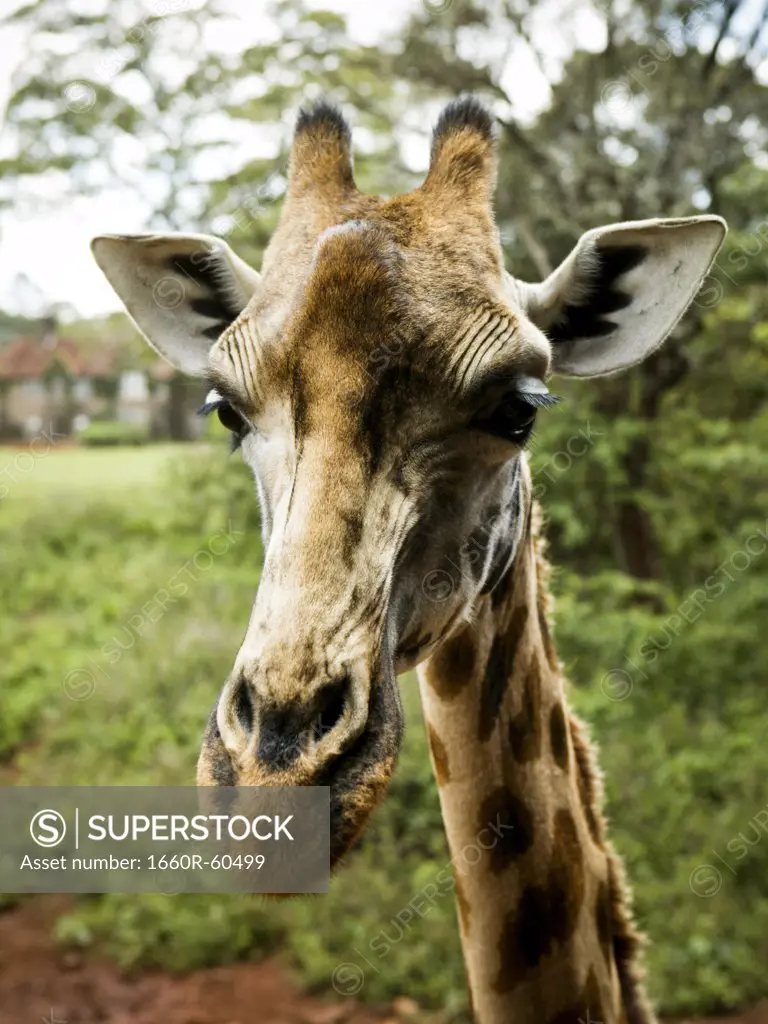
<point x="27" y="473"/>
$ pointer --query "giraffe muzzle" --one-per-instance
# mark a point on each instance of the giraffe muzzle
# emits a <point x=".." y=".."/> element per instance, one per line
<point x="342" y="737"/>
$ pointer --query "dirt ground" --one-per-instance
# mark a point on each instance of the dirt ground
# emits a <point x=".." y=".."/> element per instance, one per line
<point x="41" y="984"/>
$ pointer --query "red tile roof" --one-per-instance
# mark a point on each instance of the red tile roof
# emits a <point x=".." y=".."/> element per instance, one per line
<point x="32" y="357"/>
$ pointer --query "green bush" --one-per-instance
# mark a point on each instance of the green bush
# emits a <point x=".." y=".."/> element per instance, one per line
<point x="683" y="749"/>
<point x="177" y="933"/>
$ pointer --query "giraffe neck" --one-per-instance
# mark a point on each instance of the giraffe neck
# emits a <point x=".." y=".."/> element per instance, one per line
<point x="546" y="931"/>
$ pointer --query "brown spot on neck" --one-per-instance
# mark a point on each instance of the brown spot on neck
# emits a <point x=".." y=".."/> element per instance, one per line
<point x="505" y="828"/>
<point x="453" y="665"/>
<point x="500" y="669"/>
<point x="566" y="875"/>
<point x="603" y="921"/>
<point x="525" y="939"/>
<point x="548" y="914"/>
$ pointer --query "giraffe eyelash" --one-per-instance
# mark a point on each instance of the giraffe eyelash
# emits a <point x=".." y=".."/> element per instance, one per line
<point x="209" y="407"/>
<point x="512" y="416"/>
<point x="538" y="400"/>
<point x="535" y="392"/>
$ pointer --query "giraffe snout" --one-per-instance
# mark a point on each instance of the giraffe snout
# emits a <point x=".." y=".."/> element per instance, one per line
<point x="343" y="733"/>
<point x="271" y="733"/>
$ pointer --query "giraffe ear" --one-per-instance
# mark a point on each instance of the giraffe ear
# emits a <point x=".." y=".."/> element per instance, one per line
<point x="182" y="291"/>
<point x="620" y="292"/>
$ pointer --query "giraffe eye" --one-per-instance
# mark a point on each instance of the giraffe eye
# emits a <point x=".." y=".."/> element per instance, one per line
<point x="512" y="419"/>
<point x="230" y="418"/>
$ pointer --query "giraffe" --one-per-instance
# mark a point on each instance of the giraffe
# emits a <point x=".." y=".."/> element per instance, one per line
<point x="382" y="375"/>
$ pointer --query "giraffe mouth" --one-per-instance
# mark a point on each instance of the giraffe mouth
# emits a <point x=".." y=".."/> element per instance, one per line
<point x="358" y="778"/>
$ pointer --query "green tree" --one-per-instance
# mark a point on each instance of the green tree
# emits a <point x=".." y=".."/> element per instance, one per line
<point x="656" y="119"/>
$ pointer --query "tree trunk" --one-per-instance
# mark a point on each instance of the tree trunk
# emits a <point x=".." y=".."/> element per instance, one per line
<point x="635" y="541"/>
<point x="178" y="395"/>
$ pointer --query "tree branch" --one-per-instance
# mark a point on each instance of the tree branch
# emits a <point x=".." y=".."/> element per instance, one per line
<point x="732" y="7"/>
<point x="537" y="252"/>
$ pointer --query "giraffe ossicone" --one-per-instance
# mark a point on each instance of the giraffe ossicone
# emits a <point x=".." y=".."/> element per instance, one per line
<point x="382" y="374"/>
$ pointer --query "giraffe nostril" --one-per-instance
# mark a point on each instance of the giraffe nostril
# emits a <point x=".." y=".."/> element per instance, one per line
<point x="332" y="701"/>
<point x="236" y="714"/>
<point x="243" y="706"/>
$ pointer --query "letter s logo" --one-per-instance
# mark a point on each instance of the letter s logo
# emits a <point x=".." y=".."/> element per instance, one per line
<point x="48" y="828"/>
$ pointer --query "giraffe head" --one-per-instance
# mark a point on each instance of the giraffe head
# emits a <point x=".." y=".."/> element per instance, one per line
<point x="381" y="376"/>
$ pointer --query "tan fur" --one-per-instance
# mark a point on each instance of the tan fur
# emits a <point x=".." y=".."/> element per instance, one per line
<point x="587" y="966"/>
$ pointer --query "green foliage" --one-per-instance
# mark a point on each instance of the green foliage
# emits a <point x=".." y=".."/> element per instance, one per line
<point x="677" y="708"/>
<point x="107" y="433"/>
<point x="178" y="933"/>
<point x="680" y="730"/>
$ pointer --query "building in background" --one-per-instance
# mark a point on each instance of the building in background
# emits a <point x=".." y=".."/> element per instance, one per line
<point x="49" y="382"/>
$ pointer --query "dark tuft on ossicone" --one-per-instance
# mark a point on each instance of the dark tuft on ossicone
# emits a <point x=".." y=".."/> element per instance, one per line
<point x="326" y="116"/>
<point x="463" y="112"/>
